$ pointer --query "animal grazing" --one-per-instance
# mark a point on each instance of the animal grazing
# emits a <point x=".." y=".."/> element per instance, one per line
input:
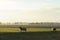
<point x="22" y="28"/>
<point x="54" y="29"/>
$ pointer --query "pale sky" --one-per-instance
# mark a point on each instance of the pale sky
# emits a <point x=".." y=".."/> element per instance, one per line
<point x="29" y="10"/>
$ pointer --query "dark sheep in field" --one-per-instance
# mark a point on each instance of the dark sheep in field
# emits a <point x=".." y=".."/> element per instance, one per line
<point x="22" y="28"/>
<point x="54" y="29"/>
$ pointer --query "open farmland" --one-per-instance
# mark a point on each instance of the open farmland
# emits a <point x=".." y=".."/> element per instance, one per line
<point x="10" y="30"/>
<point x="30" y="36"/>
<point x="28" y="29"/>
<point x="31" y="27"/>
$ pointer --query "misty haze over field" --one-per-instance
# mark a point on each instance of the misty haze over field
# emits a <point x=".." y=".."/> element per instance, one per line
<point x="29" y="10"/>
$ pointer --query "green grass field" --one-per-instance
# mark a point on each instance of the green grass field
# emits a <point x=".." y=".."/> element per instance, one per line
<point x="30" y="36"/>
<point x="9" y="30"/>
<point x="28" y="29"/>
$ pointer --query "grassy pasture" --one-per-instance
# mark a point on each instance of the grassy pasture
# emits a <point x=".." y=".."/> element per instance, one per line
<point x="30" y="36"/>
<point x="9" y="30"/>
<point x="28" y="29"/>
<point x="38" y="29"/>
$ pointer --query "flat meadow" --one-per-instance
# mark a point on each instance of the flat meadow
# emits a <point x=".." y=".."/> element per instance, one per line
<point x="28" y="29"/>
<point x="30" y="34"/>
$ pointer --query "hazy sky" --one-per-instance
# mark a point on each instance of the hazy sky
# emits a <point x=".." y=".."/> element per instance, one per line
<point x="30" y="10"/>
